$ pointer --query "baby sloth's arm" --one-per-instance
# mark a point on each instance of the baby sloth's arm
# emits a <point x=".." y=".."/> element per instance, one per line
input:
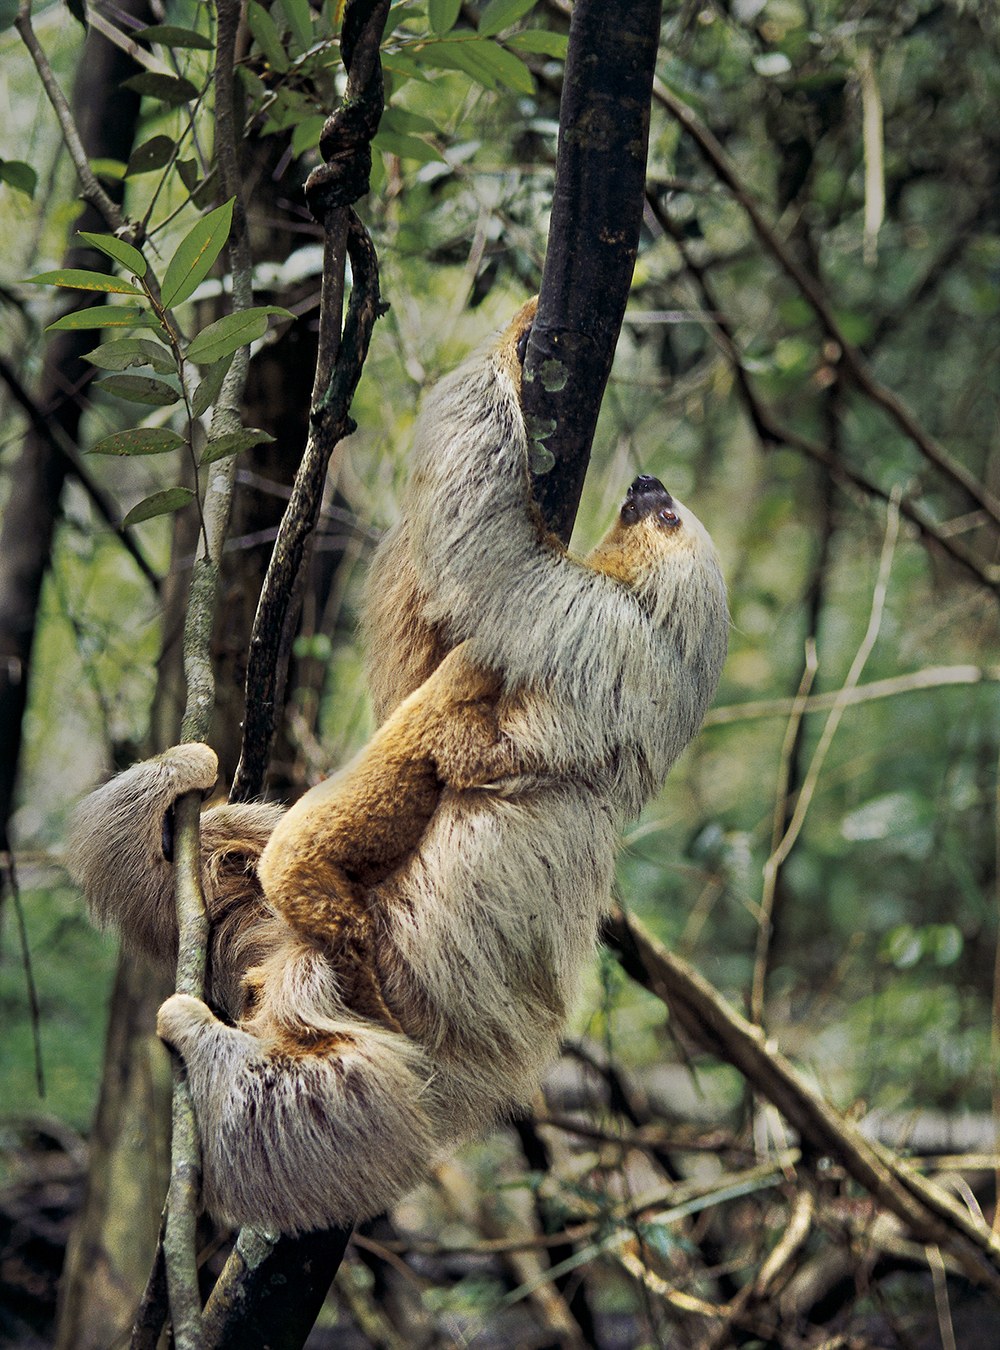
<point x="352" y="830"/>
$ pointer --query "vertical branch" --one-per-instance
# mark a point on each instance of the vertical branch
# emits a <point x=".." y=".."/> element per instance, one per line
<point x="179" y="1240"/>
<point x="593" y="241"/>
<point x="331" y="189"/>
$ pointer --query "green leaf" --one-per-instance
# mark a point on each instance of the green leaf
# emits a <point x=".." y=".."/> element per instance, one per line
<point x="121" y="353"/>
<point x="487" y="63"/>
<point x="540" y="42"/>
<point x="112" y="170"/>
<point x="18" y="175"/>
<point x="98" y="316"/>
<point x="266" y="34"/>
<point x="401" y="119"/>
<point x="190" y="173"/>
<point x="307" y="133"/>
<point x="195" y="255"/>
<point x="500" y="14"/>
<point x="80" y="279"/>
<point x="227" y="334"/>
<point x="159" y="504"/>
<point x="151" y="155"/>
<point x="140" y="389"/>
<point x="8" y="13"/>
<point x="443" y="15"/>
<point x="208" y="390"/>
<point x="168" y="35"/>
<point x="139" y="441"/>
<point x="118" y="249"/>
<point x="406" y="147"/>
<point x="171" y="89"/>
<point x="299" y="17"/>
<point x="233" y="443"/>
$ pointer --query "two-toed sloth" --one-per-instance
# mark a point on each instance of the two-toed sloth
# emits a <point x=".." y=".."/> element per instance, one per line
<point x="395" y="955"/>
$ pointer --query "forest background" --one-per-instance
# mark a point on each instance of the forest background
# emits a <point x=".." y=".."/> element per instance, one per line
<point x="810" y="359"/>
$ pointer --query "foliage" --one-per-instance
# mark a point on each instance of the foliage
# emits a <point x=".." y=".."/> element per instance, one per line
<point x="879" y="968"/>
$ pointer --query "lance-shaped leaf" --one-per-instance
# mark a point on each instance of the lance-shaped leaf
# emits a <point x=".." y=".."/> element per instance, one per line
<point x="443" y="15"/>
<point x="539" y="41"/>
<point x="159" y="504"/>
<point x="171" y="89"/>
<point x="199" y="249"/>
<point x="485" y="61"/>
<point x="169" y="35"/>
<point x="99" y="316"/>
<point x="299" y="16"/>
<point x="121" y="353"/>
<point x="225" y="335"/>
<point x="139" y="441"/>
<point x="267" y="36"/>
<point x="500" y="14"/>
<point x="233" y="443"/>
<point x="118" y="249"/>
<point x="140" y="389"/>
<point x="81" y="279"/>
<point x="209" y="388"/>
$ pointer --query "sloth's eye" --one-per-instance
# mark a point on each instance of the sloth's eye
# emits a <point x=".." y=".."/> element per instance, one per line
<point x="668" y="519"/>
<point x="629" y="513"/>
<point x="522" y="344"/>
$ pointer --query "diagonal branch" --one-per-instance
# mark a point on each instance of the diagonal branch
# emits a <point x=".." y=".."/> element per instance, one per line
<point x="91" y="189"/>
<point x="931" y="1214"/>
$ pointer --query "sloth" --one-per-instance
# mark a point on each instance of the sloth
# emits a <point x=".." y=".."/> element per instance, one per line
<point x="393" y="959"/>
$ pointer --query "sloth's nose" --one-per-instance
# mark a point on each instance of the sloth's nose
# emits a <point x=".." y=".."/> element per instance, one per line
<point x="648" y="486"/>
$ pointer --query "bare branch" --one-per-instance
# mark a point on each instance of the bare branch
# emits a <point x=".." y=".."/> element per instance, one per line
<point x="931" y="677"/>
<point x="91" y="188"/>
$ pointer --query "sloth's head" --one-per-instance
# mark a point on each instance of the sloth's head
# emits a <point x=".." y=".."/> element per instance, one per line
<point x="653" y="531"/>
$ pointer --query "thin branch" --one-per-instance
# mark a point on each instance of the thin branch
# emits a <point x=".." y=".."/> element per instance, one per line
<point x="770" y="879"/>
<point x="270" y="641"/>
<point x="91" y="188"/>
<point x="931" y="677"/>
<point x="854" y="363"/>
<point x="179" y="1242"/>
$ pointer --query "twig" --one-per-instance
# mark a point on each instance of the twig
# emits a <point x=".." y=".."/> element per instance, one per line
<point x="783" y="846"/>
<point x="770" y="879"/>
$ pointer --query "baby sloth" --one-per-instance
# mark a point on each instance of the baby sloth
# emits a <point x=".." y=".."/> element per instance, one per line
<point x="393" y="958"/>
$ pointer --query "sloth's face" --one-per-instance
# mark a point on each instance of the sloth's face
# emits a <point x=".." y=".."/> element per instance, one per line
<point x="648" y="498"/>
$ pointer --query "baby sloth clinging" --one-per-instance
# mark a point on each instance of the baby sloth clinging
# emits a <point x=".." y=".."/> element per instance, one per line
<point x="398" y="952"/>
